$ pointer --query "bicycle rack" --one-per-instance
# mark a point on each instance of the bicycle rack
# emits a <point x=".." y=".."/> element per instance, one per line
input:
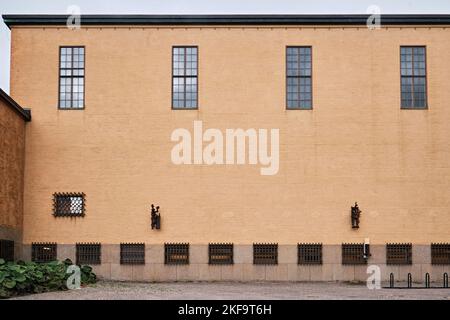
<point x="427" y="280"/>
<point x="410" y="286"/>
<point x="409" y="280"/>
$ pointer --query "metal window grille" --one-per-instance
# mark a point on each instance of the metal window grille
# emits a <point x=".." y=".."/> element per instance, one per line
<point x="298" y="77"/>
<point x="176" y="253"/>
<point x="88" y="253"/>
<point x="440" y="253"/>
<point x="220" y="253"/>
<point x="132" y="253"/>
<point x="399" y="253"/>
<point x="7" y="250"/>
<point x="71" y="77"/>
<point x="43" y="252"/>
<point x="309" y="253"/>
<point x="184" y="77"/>
<point x="68" y="204"/>
<point x="413" y="77"/>
<point x="265" y="253"/>
<point x="353" y="253"/>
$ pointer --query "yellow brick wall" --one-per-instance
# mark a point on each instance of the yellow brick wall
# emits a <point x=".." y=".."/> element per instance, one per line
<point x="355" y="145"/>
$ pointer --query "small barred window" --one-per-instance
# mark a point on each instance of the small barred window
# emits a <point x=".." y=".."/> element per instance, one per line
<point x="176" y="253"/>
<point x="220" y="253"/>
<point x="68" y="204"/>
<point x="440" y="253"/>
<point x="309" y="253"/>
<point x="43" y="252"/>
<point x="7" y="250"/>
<point x="88" y="253"/>
<point x="265" y="253"/>
<point x="399" y="253"/>
<point x="353" y="253"/>
<point x="132" y="253"/>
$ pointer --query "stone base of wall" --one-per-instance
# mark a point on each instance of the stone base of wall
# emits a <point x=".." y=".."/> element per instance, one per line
<point x="243" y="268"/>
<point x="8" y="233"/>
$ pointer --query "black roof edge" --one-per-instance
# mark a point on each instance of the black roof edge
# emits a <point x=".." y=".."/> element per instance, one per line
<point x="24" y="113"/>
<point x="230" y="19"/>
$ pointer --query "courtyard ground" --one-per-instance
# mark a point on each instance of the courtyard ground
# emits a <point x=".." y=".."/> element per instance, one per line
<point x="235" y="290"/>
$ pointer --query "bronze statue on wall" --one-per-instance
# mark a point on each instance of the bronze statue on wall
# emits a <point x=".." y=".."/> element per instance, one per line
<point x="155" y="217"/>
<point x="356" y="213"/>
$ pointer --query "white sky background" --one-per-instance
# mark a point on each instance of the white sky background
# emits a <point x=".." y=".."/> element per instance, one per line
<point x="203" y="7"/>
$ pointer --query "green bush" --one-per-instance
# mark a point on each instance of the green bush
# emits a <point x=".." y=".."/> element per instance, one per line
<point x="18" y="278"/>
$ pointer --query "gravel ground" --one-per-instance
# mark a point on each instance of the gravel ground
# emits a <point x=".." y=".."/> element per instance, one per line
<point x="235" y="290"/>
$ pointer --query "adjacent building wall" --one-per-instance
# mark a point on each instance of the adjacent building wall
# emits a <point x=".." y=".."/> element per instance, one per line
<point x="12" y="153"/>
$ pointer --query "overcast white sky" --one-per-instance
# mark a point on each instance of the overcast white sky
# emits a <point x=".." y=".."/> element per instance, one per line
<point x="202" y="7"/>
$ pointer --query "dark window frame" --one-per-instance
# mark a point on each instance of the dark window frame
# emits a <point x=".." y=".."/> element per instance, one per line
<point x="72" y="77"/>
<point x="179" y="250"/>
<point x="173" y="76"/>
<point x="353" y="253"/>
<point x="299" y="77"/>
<point x="309" y="253"/>
<point x="132" y="253"/>
<point x="38" y="254"/>
<point x="56" y="204"/>
<point x="221" y="253"/>
<point x="88" y="253"/>
<point x="265" y="253"/>
<point x="440" y="253"/>
<point x="412" y="77"/>
<point x="393" y="254"/>
<point x="7" y="250"/>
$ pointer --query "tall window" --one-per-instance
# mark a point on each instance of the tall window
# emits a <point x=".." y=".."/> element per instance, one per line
<point x="71" y="77"/>
<point x="298" y="73"/>
<point x="413" y="77"/>
<point x="184" y="77"/>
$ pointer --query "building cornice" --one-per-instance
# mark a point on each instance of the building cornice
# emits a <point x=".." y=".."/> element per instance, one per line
<point x="24" y="113"/>
<point x="279" y="19"/>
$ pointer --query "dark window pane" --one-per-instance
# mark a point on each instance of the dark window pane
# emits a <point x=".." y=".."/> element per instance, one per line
<point x="298" y="73"/>
<point x="413" y="77"/>
<point x="71" y="78"/>
<point x="184" y="77"/>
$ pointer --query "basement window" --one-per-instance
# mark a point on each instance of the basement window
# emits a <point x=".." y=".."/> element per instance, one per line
<point x="220" y="253"/>
<point x="399" y="253"/>
<point x="7" y="250"/>
<point x="265" y="253"/>
<point x="88" y="253"/>
<point x="309" y="253"/>
<point x="132" y="253"/>
<point x="353" y="253"/>
<point x="68" y="204"/>
<point x="43" y="252"/>
<point x="440" y="253"/>
<point x="176" y="253"/>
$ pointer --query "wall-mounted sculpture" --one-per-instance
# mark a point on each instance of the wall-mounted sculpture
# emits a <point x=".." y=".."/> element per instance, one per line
<point x="155" y="217"/>
<point x="356" y="214"/>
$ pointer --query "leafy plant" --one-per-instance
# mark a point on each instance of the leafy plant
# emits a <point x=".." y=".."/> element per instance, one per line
<point x="18" y="278"/>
